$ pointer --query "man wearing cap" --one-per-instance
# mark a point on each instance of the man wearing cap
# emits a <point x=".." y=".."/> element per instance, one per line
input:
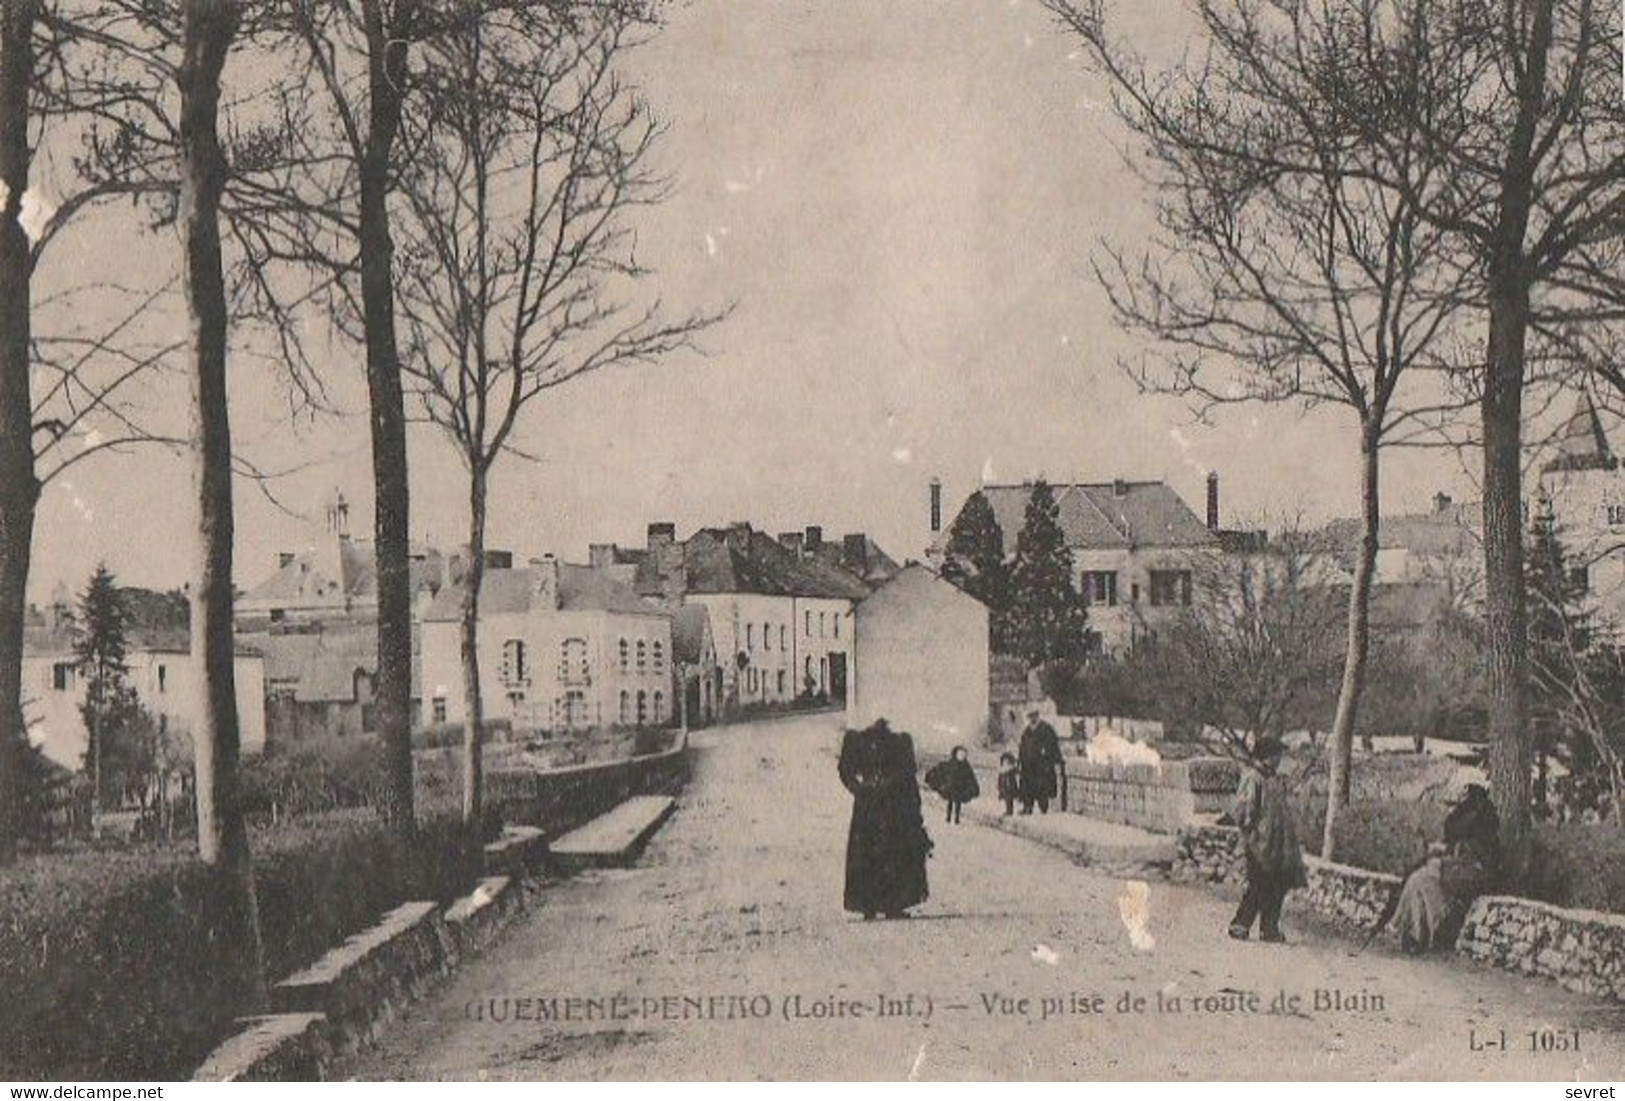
<point x="1270" y="841"/>
<point x="1038" y="756"/>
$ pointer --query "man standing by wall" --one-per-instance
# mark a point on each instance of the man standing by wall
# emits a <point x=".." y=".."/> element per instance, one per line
<point x="1039" y="755"/>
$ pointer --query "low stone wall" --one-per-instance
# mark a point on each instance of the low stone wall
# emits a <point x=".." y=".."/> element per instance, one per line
<point x="1163" y="798"/>
<point x="1583" y="950"/>
<point x="558" y="800"/>
<point x="1206" y="853"/>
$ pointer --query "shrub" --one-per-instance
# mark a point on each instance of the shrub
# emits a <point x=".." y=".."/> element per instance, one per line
<point x="114" y="961"/>
<point x="1578" y="866"/>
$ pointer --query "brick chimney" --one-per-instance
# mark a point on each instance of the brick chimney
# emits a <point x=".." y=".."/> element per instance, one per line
<point x="661" y="534"/>
<point x="1213" y="501"/>
<point x="544" y="573"/>
<point x="936" y="505"/>
<point x="855" y="551"/>
<point x="815" y="538"/>
<point x="792" y="542"/>
<point x="1441" y="503"/>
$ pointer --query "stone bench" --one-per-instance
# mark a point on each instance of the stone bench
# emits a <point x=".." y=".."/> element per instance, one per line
<point x="517" y="851"/>
<point x="364" y="981"/>
<point x="278" y="1047"/>
<point x="477" y="918"/>
<point x="615" y="838"/>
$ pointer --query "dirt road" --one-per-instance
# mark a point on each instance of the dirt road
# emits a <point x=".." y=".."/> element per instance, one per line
<point x="725" y="954"/>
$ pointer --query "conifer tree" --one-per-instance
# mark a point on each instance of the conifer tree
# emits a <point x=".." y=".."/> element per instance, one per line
<point x="101" y="647"/>
<point x="975" y="554"/>
<point x="1047" y="612"/>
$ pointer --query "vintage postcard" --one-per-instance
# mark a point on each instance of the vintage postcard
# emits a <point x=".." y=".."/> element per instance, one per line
<point x="739" y="540"/>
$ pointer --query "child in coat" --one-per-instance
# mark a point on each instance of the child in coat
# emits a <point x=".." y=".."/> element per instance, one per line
<point x="955" y="781"/>
<point x="1009" y="782"/>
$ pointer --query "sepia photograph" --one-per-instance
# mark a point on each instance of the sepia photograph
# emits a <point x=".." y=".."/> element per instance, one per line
<point x="811" y="540"/>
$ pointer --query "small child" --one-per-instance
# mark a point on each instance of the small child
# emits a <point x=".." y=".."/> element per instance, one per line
<point x="955" y="781"/>
<point x="1009" y="783"/>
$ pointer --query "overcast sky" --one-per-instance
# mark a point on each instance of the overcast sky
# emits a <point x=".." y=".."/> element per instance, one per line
<point x="901" y="196"/>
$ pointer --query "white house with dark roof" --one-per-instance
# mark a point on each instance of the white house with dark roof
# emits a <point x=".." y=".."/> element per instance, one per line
<point x="1136" y="547"/>
<point x="562" y="647"/>
<point x="1584" y="487"/>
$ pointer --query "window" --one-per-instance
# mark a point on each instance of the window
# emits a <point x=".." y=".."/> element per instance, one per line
<point x="573" y="708"/>
<point x="837" y="619"/>
<point x="660" y="707"/>
<point x="515" y="665"/>
<point x="643" y="655"/>
<point x="1616" y="516"/>
<point x="660" y="656"/>
<point x="808" y="632"/>
<point x="62" y="676"/>
<point x="782" y="680"/>
<point x="163" y="677"/>
<point x="1170" y="587"/>
<point x="626" y="707"/>
<point x="767" y="636"/>
<point x="440" y="709"/>
<point x="783" y="634"/>
<point x="573" y="664"/>
<point x="1100" y="587"/>
<point x="643" y="708"/>
<point x="1580" y="579"/>
<point x="820" y="624"/>
<point x="626" y="655"/>
<point x="750" y="636"/>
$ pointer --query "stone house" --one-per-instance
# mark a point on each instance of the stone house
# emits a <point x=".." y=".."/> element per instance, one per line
<point x="1136" y="547"/>
<point x="1585" y="490"/>
<point x="562" y="647"/>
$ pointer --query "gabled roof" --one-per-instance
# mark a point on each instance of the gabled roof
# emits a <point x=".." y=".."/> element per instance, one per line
<point x="1448" y="529"/>
<point x="870" y="563"/>
<point x="318" y="667"/>
<point x="1583" y="445"/>
<point x="581" y="588"/>
<point x="690" y="626"/>
<point x="741" y="559"/>
<point x="347" y="573"/>
<point x="1103" y="516"/>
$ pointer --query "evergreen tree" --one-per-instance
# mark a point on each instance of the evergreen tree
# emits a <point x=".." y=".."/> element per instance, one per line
<point x="975" y="554"/>
<point x="101" y="649"/>
<point x="1047" y="612"/>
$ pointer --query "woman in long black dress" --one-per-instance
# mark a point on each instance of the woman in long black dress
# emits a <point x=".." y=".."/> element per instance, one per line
<point x="886" y="846"/>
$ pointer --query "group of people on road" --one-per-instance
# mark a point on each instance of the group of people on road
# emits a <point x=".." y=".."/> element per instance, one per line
<point x="887" y="843"/>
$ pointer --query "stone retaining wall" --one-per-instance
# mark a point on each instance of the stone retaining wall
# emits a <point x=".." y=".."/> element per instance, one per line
<point x="559" y="800"/>
<point x="1583" y="950"/>
<point x="1161" y="798"/>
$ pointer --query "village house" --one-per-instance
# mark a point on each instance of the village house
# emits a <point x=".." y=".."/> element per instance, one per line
<point x="1584" y="489"/>
<point x="1136" y="548"/>
<point x="925" y="669"/>
<point x="159" y="669"/>
<point x="780" y="609"/>
<point x="1439" y="548"/>
<point x="319" y="680"/>
<point x="335" y="579"/>
<point x="562" y="648"/>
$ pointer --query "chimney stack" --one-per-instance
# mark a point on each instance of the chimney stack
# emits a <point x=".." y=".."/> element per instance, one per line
<point x="1441" y="503"/>
<point x="855" y="551"/>
<point x="1213" y="501"/>
<point x="545" y="577"/>
<point x="661" y="534"/>
<point x="936" y="505"/>
<point x="815" y="538"/>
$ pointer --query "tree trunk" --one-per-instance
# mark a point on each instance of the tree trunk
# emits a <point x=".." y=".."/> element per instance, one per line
<point x="19" y="485"/>
<point x="210" y="26"/>
<point x="473" y="703"/>
<point x="1505" y="626"/>
<point x="391" y="489"/>
<point x="1359" y="633"/>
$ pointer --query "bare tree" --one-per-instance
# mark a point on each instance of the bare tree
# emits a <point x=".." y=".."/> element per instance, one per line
<point x="326" y="209"/>
<point x="1283" y="272"/>
<point x="1523" y="104"/>
<point x="208" y="29"/>
<point x="518" y="267"/>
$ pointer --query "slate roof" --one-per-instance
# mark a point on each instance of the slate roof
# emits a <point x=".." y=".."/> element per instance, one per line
<point x="1093" y="516"/>
<point x="1448" y="529"/>
<point x="1583" y="445"/>
<point x="741" y="559"/>
<point x="689" y="625"/>
<point x="872" y="564"/>
<point x="581" y="588"/>
<point x="319" y="667"/>
<point x="154" y="621"/>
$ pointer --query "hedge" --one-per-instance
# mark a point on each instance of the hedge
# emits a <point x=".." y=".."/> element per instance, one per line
<point x="113" y="962"/>
<point x="1574" y="865"/>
